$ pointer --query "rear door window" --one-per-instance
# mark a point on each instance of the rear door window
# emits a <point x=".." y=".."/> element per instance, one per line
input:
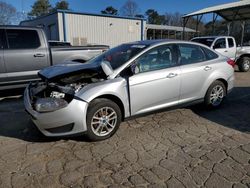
<point x="209" y="54"/>
<point x="2" y="44"/>
<point x="230" y="42"/>
<point x="190" y="54"/>
<point x="22" y="39"/>
<point x="220" y="43"/>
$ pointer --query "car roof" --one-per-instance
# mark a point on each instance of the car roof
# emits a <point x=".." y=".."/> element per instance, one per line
<point x="152" y="42"/>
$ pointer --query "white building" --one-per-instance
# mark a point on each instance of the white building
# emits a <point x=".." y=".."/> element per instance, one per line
<point x="84" y="28"/>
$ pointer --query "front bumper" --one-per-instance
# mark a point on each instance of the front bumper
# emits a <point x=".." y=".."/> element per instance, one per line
<point x="66" y="121"/>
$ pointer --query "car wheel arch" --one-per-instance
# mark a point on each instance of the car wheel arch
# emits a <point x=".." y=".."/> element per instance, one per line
<point x="115" y="99"/>
<point x="211" y="79"/>
<point x="224" y="82"/>
<point x="241" y="56"/>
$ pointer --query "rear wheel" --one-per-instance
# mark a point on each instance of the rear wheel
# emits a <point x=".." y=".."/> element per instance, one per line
<point x="244" y="64"/>
<point x="103" y="119"/>
<point x="215" y="94"/>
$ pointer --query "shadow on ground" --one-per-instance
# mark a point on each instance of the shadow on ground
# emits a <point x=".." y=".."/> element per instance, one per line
<point x="234" y="113"/>
<point x="16" y="123"/>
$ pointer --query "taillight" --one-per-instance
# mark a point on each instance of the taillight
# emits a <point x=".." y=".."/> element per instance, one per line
<point x="231" y="62"/>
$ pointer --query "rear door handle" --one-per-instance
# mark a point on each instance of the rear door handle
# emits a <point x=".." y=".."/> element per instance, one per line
<point x="171" y="75"/>
<point x="39" y="55"/>
<point x="207" y="68"/>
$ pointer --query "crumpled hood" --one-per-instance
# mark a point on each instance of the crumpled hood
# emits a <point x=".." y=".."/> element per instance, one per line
<point x="68" y="68"/>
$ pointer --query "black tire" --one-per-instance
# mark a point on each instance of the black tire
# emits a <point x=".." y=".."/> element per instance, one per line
<point x="244" y="64"/>
<point x="207" y="100"/>
<point x="95" y="106"/>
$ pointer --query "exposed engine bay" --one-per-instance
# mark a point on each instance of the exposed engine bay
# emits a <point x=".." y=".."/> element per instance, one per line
<point x="50" y="95"/>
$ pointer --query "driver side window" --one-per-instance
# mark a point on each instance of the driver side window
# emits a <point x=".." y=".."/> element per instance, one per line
<point x="160" y="57"/>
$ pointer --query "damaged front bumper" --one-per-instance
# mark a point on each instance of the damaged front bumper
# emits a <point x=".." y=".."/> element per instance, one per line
<point x="69" y="120"/>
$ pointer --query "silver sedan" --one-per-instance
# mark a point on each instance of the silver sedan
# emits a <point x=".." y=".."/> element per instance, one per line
<point x="128" y="80"/>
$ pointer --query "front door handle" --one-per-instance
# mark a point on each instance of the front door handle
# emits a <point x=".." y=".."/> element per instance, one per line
<point x="225" y="51"/>
<point x="39" y="55"/>
<point x="207" y="68"/>
<point x="171" y="75"/>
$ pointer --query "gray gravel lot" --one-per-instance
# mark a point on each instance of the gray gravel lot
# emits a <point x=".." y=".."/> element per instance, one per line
<point x="189" y="147"/>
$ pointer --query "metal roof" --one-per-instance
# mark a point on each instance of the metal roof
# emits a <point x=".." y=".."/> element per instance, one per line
<point x="239" y="10"/>
<point x="168" y="27"/>
<point x="84" y="13"/>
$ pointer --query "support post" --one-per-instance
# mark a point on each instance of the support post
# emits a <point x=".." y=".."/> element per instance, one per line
<point x="215" y="16"/>
<point x="185" y="20"/>
<point x="198" y="20"/>
<point x="242" y="32"/>
<point x="228" y="28"/>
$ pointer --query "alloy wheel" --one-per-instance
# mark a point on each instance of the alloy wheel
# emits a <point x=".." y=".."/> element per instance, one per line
<point x="246" y="64"/>
<point x="104" y="121"/>
<point x="217" y="95"/>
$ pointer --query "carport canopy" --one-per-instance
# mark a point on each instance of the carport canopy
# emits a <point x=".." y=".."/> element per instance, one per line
<point x="236" y="11"/>
<point x="230" y="12"/>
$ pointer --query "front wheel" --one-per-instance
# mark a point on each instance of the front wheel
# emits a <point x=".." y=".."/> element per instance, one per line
<point x="244" y="64"/>
<point x="215" y="94"/>
<point x="103" y="119"/>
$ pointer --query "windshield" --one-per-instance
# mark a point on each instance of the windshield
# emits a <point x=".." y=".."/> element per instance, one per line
<point x="119" y="55"/>
<point x="206" y="41"/>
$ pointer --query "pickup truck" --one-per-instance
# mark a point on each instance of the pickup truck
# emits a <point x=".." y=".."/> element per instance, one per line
<point x="25" y="50"/>
<point x="226" y="46"/>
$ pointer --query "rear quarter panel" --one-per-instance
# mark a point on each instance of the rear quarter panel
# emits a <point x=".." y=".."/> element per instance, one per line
<point x="221" y="70"/>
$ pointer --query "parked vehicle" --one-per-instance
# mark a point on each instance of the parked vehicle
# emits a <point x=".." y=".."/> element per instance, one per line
<point x="128" y="80"/>
<point x="226" y="46"/>
<point x="24" y="51"/>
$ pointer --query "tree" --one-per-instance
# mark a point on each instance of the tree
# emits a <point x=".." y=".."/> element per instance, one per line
<point x="63" y="5"/>
<point x="130" y="8"/>
<point x="7" y="11"/>
<point x="110" y="10"/>
<point x="174" y="19"/>
<point x="40" y="7"/>
<point x="154" y="17"/>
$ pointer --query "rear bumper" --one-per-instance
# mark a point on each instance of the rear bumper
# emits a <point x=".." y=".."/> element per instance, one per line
<point x="66" y="121"/>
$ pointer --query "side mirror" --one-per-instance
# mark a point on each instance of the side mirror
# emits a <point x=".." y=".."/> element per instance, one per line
<point x="106" y="67"/>
<point x="134" y="68"/>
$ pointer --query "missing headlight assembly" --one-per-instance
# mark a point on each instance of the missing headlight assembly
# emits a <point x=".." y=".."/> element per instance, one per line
<point x="47" y="97"/>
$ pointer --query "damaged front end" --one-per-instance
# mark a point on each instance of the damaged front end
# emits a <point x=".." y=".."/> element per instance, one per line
<point x="57" y="92"/>
<point x="47" y="97"/>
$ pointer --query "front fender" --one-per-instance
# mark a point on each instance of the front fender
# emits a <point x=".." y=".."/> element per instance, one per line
<point x="116" y="87"/>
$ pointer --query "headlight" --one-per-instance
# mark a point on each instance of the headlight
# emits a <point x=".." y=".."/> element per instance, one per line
<point x="49" y="104"/>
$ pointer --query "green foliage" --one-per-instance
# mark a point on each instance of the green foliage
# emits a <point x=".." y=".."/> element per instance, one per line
<point x="63" y="5"/>
<point x="40" y="7"/>
<point x="110" y="10"/>
<point x="154" y="17"/>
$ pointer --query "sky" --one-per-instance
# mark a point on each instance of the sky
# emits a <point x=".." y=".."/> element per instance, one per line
<point x="95" y="6"/>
